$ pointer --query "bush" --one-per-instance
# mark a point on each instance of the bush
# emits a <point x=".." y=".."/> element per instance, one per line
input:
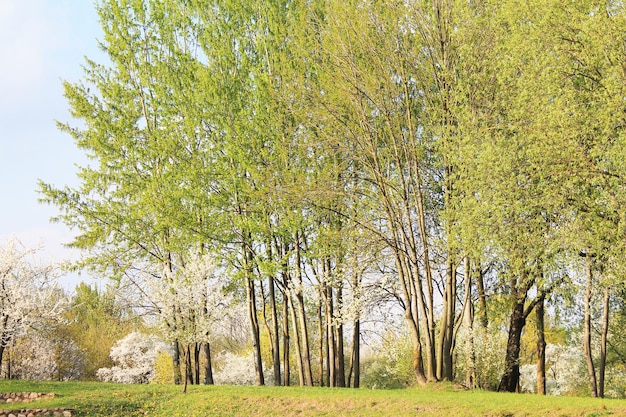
<point x="564" y="371"/>
<point x="392" y="368"/>
<point x="163" y="369"/>
<point x="135" y="356"/>
<point x="233" y="369"/>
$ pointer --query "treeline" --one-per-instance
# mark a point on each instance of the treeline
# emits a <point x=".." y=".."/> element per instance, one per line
<point x="465" y="159"/>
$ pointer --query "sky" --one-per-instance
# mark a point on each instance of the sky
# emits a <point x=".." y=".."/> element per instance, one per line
<point x="42" y="43"/>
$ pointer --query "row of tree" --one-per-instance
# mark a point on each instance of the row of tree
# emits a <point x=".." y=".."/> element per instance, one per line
<point x="329" y="156"/>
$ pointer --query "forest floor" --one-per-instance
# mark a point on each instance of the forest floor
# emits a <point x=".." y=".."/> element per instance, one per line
<point x="93" y="399"/>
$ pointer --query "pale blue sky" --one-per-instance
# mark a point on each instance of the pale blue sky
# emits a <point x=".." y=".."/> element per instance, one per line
<point x="42" y="42"/>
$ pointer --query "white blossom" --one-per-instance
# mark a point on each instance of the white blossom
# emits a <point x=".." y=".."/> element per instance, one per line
<point x="29" y="293"/>
<point x="134" y="356"/>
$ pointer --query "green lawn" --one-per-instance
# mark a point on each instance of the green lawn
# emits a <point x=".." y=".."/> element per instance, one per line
<point x="108" y="400"/>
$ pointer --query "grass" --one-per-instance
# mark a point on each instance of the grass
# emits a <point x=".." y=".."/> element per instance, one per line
<point x="94" y="399"/>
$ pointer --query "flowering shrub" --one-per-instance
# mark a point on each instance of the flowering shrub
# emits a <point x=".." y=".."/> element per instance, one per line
<point x="564" y="371"/>
<point x="135" y="357"/>
<point x="236" y="369"/>
<point x="392" y="366"/>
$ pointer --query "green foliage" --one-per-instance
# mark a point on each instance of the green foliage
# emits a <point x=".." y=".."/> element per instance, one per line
<point x="285" y="137"/>
<point x="391" y="366"/>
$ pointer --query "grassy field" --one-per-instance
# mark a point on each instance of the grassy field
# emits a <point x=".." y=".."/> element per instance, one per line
<point x="109" y="400"/>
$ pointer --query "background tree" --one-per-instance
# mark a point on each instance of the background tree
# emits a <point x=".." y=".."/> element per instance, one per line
<point x="28" y="293"/>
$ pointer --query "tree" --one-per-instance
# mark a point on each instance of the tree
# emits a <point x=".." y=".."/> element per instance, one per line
<point x="192" y="303"/>
<point x="28" y="293"/>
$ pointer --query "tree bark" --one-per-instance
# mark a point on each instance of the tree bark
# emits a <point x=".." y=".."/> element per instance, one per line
<point x="604" y="341"/>
<point x="468" y="320"/>
<point x="188" y="366"/>
<point x="355" y="362"/>
<point x="482" y="297"/>
<point x="330" y="338"/>
<point x="255" y="331"/>
<point x="286" y="362"/>
<point x="510" y="378"/>
<point x="2" y="349"/>
<point x="176" y="363"/>
<point x="322" y="337"/>
<point x="340" y="356"/>
<point x="275" y="333"/>
<point x="196" y="363"/>
<point x="541" y="349"/>
<point x="445" y="369"/>
<point x="297" y="346"/>
<point x="208" y="370"/>
<point x="591" y="372"/>
<point x="304" y="331"/>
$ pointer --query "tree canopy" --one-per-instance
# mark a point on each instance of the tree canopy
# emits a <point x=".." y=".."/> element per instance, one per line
<point x="457" y="156"/>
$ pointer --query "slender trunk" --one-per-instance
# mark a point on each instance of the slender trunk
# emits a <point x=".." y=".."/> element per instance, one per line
<point x="196" y="363"/>
<point x="2" y="349"/>
<point x="482" y="297"/>
<point x="275" y="333"/>
<point x="286" y="364"/>
<point x="176" y="363"/>
<point x="320" y="346"/>
<point x="340" y="357"/>
<point x="188" y="366"/>
<point x="444" y="354"/>
<point x="412" y="289"/>
<point x="255" y="331"/>
<point x="541" y="349"/>
<point x="603" y="342"/>
<point x="297" y="342"/>
<point x="355" y="361"/>
<point x="306" y="352"/>
<point x="510" y="378"/>
<point x="331" y="344"/>
<point x="468" y="320"/>
<point x="591" y="372"/>
<point x="208" y="370"/>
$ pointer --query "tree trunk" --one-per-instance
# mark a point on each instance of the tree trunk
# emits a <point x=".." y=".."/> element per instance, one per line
<point x="208" y="371"/>
<point x="603" y="342"/>
<point x="286" y="363"/>
<point x="331" y="345"/>
<point x="304" y="331"/>
<point x="2" y="349"/>
<point x="322" y="336"/>
<point x="340" y="357"/>
<point x="275" y="333"/>
<point x="255" y="331"/>
<point x="468" y="320"/>
<point x="412" y="288"/>
<point x="510" y="378"/>
<point x="482" y="297"/>
<point x="176" y="363"/>
<point x="591" y="372"/>
<point x="541" y="349"/>
<point x="196" y="363"/>
<point x="188" y="366"/>
<point x="355" y="361"/>
<point x="297" y="346"/>
<point x="445" y="369"/>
